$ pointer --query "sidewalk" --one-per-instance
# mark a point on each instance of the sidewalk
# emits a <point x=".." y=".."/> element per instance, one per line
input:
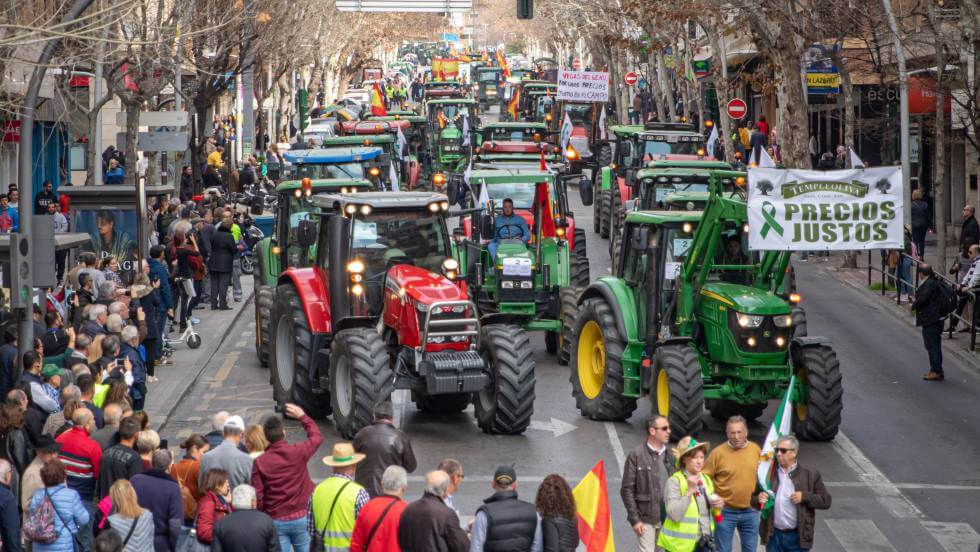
<point x="164" y="395"/>
<point x="857" y="279"/>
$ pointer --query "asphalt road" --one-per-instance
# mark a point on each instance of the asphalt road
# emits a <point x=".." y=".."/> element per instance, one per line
<point x="904" y="472"/>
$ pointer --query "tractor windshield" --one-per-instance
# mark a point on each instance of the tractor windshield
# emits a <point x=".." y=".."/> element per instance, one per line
<point x="732" y="253"/>
<point x="489" y="76"/>
<point x="521" y="192"/>
<point x="350" y="171"/>
<point x="579" y="113"/>
<point x="543" y="106"/>
<point x="413" y="237"/>
<point x="670" y="144"/>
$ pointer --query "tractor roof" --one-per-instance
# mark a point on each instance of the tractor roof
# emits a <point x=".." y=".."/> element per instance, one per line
<point x="626" y="130"/>
<point x="358" y="140"/>
<point x="697" y="165"/>
<point x="321" y="184"/>
<point x="511" y="175"/>
<point x="404" y="201"/>
<point x="686" y="196"/>
<point x="332" y="155"/>
<point x="519" y="125"/>
<point x="402" y="112"/>
<point x="538" y="84"/>
<point x="453" y="101"/>
<point x="663" y="217"/>
<point x="437" y="84"/>
<point x="511" y="162"/>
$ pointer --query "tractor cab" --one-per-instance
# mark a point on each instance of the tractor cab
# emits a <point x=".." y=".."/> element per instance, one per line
<point x="678" y="179"/>
<point x="587" y="147"/>
<point x="445" y="132"/>
<point x="536" y="100"/>
<point x="666" y="141"/>
<point x="703" y="324"/>
<point x="433" y="90"/>
<point x="382" y="132"/>
<point x="488" y="85"/>
<point x="339" y="161"/>
<point x="383" y="308"/>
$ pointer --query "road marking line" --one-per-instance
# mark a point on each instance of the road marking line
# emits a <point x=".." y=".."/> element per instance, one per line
<point x="240" y="343"/>
<point x="617" y="445"/>
<point x="225" y="369"/>
<point x="888" y="493"/>
<point x="953" y="537"/>
<point x="859" y="535"/>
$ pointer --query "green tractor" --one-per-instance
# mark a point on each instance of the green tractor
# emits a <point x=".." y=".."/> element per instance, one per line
<point x="488" y="86"/>
<point x="445" y="135"/>
<point x="533" y="284"/>
<point x="695" y="321"/>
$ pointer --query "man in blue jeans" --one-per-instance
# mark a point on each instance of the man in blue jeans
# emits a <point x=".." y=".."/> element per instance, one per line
<point x="733" y="466"/>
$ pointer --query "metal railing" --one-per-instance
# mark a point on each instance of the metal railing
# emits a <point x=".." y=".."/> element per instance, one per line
<point x="894" y="276"/>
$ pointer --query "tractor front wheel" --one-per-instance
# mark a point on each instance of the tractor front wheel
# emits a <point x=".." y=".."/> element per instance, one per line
<point x="596" y="361"/>
<point x="818" y="418"/>
<point x="360" y="378"/>
<point x="579" y="237"/>
<point x="604" y="213"/>
<point x="265" y="296"/>
<point x="799" y="321"/>
<point x="678" y="389"/>
<point x="292" y="355"/>
<point x="507" y="403"/>
<point x="580" y="273"/>
<point x="605" y="155"/>
<point x="568" y="308"/>
<point x="596" y="202"/>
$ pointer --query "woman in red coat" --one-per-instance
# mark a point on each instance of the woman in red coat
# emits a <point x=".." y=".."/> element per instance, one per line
<point x="214" y="505"/>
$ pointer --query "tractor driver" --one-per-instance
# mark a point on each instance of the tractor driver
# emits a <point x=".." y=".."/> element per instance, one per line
<point x="733" y="255"/>
<point x="508" y="225"/>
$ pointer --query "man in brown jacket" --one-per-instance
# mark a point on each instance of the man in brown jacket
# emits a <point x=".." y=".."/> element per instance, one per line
<point x="799" y="492"/>
<point x="647" y="468"/>
<point x="428" y="524"/>
<point x="383" y="445"/>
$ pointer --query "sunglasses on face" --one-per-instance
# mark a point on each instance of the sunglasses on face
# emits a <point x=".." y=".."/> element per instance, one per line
<point x="785" y="450"/>
<point x="664" y="428"/>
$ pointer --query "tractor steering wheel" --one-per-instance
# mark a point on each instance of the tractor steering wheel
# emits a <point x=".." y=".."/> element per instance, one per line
<point x="499" y="234"/>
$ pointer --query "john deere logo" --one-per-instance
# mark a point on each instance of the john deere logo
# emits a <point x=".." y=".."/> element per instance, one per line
<point x="854" y="188"/>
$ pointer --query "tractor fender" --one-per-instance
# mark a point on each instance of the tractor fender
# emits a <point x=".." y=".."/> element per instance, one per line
<point x="625" y="192"/>
<point x="615" y="292"/>
<point x="355" y="322"/>
<point x="312" y="290"/>
<point x="676" y="340"/>
<point x="502" y="318"/>
<point x="801" y="342"/>
<point x="605" y="178"/>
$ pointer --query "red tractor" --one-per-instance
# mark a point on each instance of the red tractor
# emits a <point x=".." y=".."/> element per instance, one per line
<point x="384" y="309"/>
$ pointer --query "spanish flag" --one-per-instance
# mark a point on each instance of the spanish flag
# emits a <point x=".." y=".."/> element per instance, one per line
<point x="502" y="62"/>
<point x="442" y="119"/>
<point x="377" y="104"/>
<point x="594" y="515"/>
<point x="512" y="104"/>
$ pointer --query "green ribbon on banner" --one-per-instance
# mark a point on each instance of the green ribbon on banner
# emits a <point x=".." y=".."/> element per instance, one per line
<point x="769" y="214"/>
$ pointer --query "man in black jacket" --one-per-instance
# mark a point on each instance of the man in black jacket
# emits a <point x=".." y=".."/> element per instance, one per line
<point x="929" y="316"/>
<point x="504" y="522"/>
<point x="220" y="265"/>
<point x="970" y="233"/>
<point x="245" y="529"/>
<point x="384" y="445"/>
<point x="428" y="524"/>
<point x="9" y="514"/>
<point x="646" y="470"/>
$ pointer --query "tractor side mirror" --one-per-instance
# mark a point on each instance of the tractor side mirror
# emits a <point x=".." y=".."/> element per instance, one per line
<point x="486" y="226"/>
<point x="453" y="188"/>
<point x="458" y="234"/>
<point x="630" y="176"/>
<point x="306" y="233"/>
<point x="640" y="238"/>
<point x="585" y="191"/>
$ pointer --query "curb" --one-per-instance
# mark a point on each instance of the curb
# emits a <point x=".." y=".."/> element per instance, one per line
<point x="204" y="364"/>
<point x="969" y="359"/>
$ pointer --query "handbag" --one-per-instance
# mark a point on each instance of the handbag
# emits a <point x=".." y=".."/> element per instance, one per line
<point x="129" y="534"/>
<point x="317" y="545"/>
<point x="191" y="544"/>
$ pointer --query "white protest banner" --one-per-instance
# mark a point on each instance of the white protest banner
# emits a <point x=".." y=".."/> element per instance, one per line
<point x="583" y="86"/>
<point x="801" y="210"/>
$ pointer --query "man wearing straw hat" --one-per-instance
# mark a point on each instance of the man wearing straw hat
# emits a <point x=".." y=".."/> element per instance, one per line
<point x="337" y="500"/>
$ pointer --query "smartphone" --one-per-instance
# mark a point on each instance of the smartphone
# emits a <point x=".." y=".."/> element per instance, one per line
<point x="280" y="408"/>
<point x="120" y="360"/>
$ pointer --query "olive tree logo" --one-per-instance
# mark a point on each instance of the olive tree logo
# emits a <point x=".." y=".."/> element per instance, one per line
<point x="764" y="187"/>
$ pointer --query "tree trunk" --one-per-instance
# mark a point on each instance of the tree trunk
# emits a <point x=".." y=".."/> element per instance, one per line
<point x="793" y="114"/>
<point x="668" y="87"/>
<point x="722" y="90"/>
<point x="132" y="131"/>
<point x="653" y="81"/>
<point x="847" y="96"/>
<point x="939" y="184"/>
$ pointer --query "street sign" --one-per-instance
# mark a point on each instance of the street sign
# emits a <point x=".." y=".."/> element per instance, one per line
<point x="156" y="118"/>
<point x="583" y="86"/>
<point x="576" y="64"/>
<point x="162" y="141"/>
<point x="737" y="109"/>
<point x="630" y="78"/>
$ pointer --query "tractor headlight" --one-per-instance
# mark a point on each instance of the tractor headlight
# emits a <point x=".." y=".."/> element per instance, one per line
<point x="780" y="341"/>
<point x="507" y="284"/>
<point x="687" y="228"/>
<point x="750" y="320"/>
<point x="374" y="171"/>
<point x="365" y="210"/>
<point x="355" y="267"/>
<point x="450" y="267"/>
<point x="662" y="179"/>
<point x="357" y="289"/>
<point x="782" y="321"/>
<point x="350" y="209"/>
<point x="750" y="341"/>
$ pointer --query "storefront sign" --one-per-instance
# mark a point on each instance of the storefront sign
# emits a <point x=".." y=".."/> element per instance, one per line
<point x="11" y="131"/>
<point x="799" y="210"/>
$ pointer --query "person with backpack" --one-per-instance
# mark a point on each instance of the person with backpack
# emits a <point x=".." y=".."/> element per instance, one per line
<point x="934" y="301"/>
<point x="56" y="513"/>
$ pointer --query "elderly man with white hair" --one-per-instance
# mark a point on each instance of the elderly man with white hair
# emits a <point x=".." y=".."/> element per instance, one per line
<point x="130" y="349"/>
<point x="428" y="524"/>
<point x="95" y="325"/>
<point x="378" y="521"/>
<point x="245" y="529"/>
<point x="214" y="436"/>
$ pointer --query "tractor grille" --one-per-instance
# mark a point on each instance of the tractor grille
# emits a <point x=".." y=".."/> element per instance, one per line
<point x="516" y="289"/>
<point x="443" y="318"/>
<point x="767" y="338"/>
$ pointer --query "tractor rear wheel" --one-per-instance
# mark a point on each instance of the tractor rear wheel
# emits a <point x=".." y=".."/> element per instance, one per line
<point x="292" y="355"/>
<point x="604" y="214"/>
<point x="596" y="202"/>
<point x="568" y="305"/>
<point x="580" y="273"/>
<point x="360" y="378"/>
<point x="799" y="321"/>
<point x="678" y="388"/>
<point x="507" y="403"/>
<point x="265" y="296"/>
<point x="615" y="210"/>
<point x="443" y="404"/>
<point x="605" y="155"/>
<point x="596" y="361"/>
<point x="818" y="418"/>
<point x="579" y="242"/>
<point x="615" y="246"/>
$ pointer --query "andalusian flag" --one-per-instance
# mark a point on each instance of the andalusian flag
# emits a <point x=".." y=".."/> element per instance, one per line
<point x="512" y="104"/>
<point x="594" y="515"/>
<point x="781" y="425"/>
<point x="377" y="103"/>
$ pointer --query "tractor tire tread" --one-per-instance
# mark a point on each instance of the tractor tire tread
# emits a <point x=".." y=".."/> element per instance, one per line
<point x="568" y="305"/>
<point x="825" y="394"/>
<point x="370" y="377"/>
<point x="510" y="347"/>
<point x="686" y="388"/>
<point x="610" y="404"/>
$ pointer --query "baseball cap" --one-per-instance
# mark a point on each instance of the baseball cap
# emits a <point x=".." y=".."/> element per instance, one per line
<point x="505" y="475"/>
<point x="235" y="422"/>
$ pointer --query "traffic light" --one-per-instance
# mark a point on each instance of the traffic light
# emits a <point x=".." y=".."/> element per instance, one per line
<point x="525" y="9"/>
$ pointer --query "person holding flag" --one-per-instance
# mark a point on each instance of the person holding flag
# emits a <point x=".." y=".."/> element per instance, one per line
<point x="689" y="496"/>
<point x="789" y="508"/>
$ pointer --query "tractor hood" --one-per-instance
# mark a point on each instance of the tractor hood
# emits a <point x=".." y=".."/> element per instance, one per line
<point x="744" y="299"/>
<point x="422" y="286"/>
<point x="518" y="255"/>
<point x="450" y="132"/>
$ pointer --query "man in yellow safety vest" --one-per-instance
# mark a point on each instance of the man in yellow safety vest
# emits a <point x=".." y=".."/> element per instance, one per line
<point x="337" y="500"/>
